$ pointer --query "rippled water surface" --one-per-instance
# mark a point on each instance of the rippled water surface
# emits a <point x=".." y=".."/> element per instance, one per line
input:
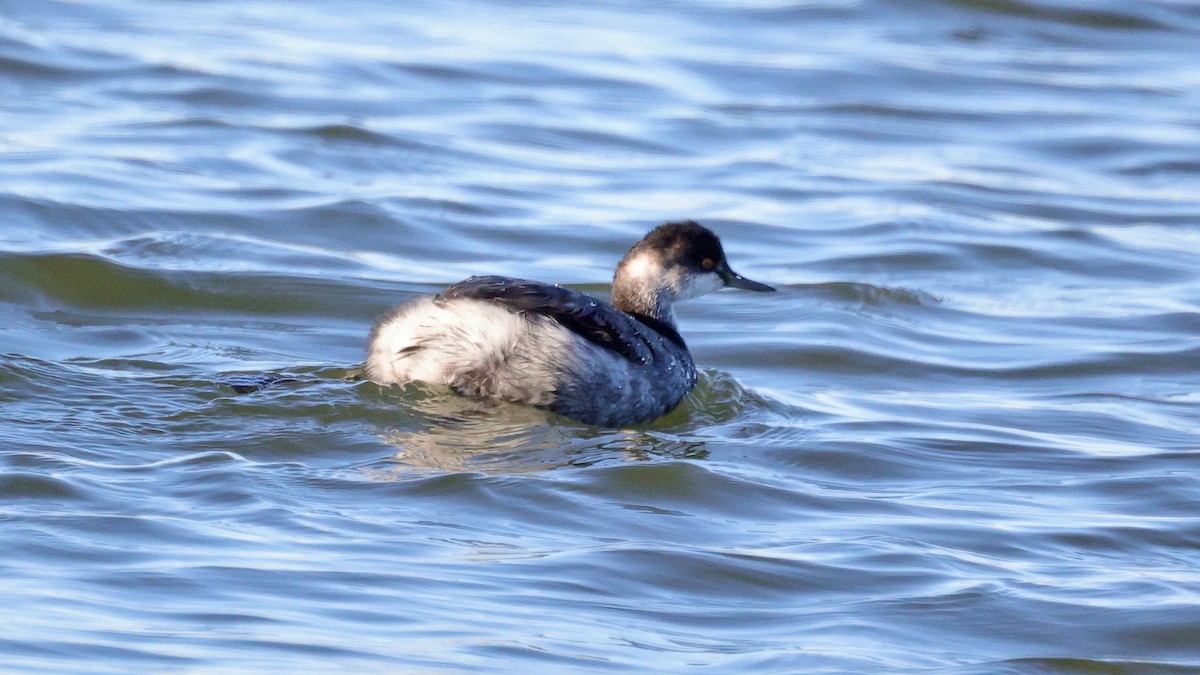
<point x="963" y="438"/>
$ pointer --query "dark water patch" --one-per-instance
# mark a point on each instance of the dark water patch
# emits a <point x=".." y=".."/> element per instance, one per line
<point x="250" y="383"/>
<point x="22" y="486"/>
<point x="1082" y="666"/>
<point x="230" y="94"/>
<point x="353" y="134"/>
<point x="909" y="111"/>
<point x="688" y="491"/>
<point x="1163" y="535"/>
<point x="102" y="285"/>
<point x="1089" y="18"/>
<point x="20" y="67"/>
<point x="1167" y="167"/>
<point x="665" y="577"/>
<point x="41" y="63"/>
<point x="881" y="455"/>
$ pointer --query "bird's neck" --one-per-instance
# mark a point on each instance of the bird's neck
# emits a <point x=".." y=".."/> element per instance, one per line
<point x="640" y="286"/>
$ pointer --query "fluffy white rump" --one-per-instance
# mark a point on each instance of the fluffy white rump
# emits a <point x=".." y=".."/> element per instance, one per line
<point x="472" y="346"/>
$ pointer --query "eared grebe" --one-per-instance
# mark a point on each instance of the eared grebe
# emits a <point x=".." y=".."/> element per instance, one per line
<point x="552" y="347"/>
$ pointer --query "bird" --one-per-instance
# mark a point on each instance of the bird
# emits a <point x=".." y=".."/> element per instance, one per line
<point x="609" y="365"/>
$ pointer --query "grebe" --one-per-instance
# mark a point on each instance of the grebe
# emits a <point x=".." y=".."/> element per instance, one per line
<point x="525" y="341"/>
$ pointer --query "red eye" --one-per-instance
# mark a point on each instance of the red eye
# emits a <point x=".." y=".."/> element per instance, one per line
<point x="707" y="264"/>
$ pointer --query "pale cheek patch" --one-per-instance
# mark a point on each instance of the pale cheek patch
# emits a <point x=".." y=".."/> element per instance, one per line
<point x="707" y="282"/>
<point x="645" y="268"/>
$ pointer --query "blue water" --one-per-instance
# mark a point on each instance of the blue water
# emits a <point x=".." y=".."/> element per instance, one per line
<point x="963" y="438"/>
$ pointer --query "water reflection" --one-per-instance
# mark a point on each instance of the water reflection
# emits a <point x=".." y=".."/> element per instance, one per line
<point x="436" y="429"/>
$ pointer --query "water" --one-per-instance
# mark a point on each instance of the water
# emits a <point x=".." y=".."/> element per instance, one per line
<point x="963" y="438"/>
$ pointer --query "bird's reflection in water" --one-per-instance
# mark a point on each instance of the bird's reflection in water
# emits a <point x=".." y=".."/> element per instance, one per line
<point x="446" y="432"/>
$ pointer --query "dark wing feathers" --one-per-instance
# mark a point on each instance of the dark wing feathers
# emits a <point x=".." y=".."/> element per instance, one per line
<point x="579" y="313"/>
